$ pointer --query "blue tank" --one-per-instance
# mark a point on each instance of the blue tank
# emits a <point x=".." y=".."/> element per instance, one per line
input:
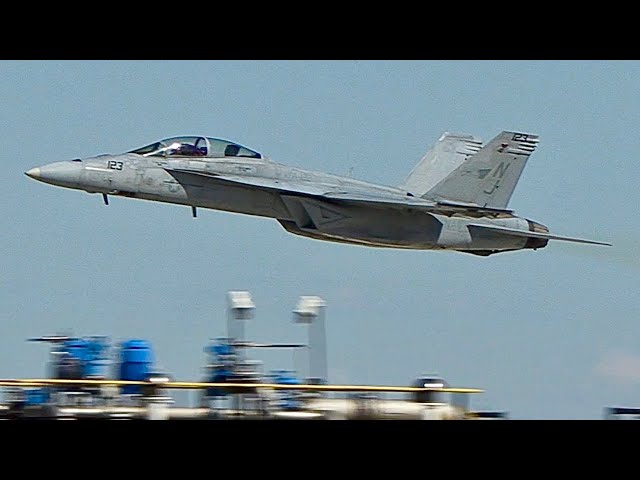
<point x="136" y="361"/>
<point x="77" y="348"/>
<point x="37" y="396"/>
<point x="96" y="357"/>
<point x="67" y="366"/>
<point x="77" y="358"/>
<point x="68" y="361"/>
<point x="220" y="348"/>
<point x="287" y="400"/>
<point x="222" y="360"/>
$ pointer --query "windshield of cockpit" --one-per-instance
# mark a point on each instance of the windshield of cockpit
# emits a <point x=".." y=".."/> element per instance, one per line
<point x="195" y="147"/>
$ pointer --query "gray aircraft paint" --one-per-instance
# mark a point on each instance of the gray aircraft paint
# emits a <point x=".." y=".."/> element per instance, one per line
<point x="489" y="177"/>
<point x="454" y="199"/>
<point x="451" y="150"/>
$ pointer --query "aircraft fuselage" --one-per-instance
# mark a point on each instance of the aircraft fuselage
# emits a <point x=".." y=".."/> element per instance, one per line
<point x="158" y="179"/>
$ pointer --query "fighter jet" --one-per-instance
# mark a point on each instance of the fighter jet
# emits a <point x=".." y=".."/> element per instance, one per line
<point x="455" y="198"/>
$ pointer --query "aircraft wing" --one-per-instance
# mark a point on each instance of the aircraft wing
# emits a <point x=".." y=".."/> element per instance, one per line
<point x="443" y="206"/>
<point x="361" y="197"/>
<point x="304" y="188"/>
<point x="329" y="192"/>
<point x="528" y="234"/>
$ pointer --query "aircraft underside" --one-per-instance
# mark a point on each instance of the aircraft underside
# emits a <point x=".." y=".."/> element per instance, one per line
<point x="335" y="222"/>
<point x="395" y="228"/>
<point x="291" y="227"/>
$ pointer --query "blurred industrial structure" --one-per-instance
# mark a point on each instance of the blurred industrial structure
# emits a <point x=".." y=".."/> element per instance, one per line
<point x="93" y="378"/>
<point x="621" y="413"/>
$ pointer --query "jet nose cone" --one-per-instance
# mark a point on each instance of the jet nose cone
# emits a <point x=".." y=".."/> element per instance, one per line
<point x="63" y="174"/>
<point x="33" y="173"/>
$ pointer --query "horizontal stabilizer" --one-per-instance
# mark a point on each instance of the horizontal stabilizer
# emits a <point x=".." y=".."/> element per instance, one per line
<point x="529" y="234"/>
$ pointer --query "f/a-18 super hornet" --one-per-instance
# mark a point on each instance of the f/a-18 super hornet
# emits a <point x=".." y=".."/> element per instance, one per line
<point x="455" y="198"/>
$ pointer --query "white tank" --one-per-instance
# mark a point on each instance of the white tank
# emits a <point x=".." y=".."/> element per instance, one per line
<point x="376" y="409"/>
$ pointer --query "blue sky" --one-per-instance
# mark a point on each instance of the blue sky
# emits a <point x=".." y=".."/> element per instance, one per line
<point x="547" y="334"/>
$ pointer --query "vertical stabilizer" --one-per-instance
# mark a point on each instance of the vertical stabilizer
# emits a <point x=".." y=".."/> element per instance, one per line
<point x="449" y="152"/>
<point x="488" y="177"/>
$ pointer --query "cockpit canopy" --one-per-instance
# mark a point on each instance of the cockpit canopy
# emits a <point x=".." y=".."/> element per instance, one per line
<point x="195" y="147"/>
